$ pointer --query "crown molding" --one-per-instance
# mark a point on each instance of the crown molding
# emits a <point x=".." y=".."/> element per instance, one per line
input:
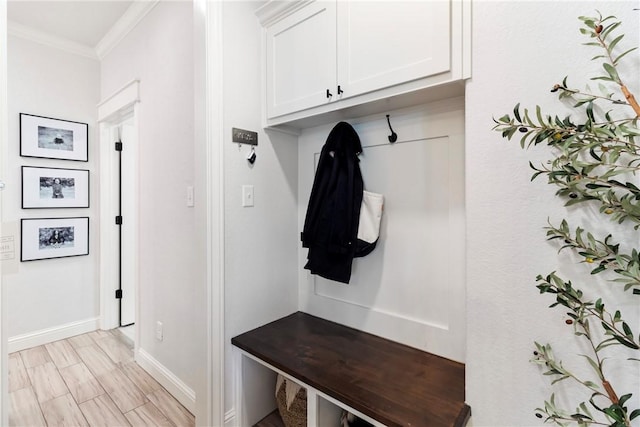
<point x="275" y="10"/>
<point x="47" y="39"/>
<point x="127" y="22"/>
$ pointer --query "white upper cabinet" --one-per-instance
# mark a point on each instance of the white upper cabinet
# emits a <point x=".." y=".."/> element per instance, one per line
<point x="323" y="56"/>
<point x="385" y="43"/>
<point x="301" y="59"/>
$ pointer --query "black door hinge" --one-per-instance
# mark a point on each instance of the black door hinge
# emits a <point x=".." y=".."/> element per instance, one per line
<point x="119" y="146"/>
<point x="119" y="294"/>
<point x="119" y="220"/>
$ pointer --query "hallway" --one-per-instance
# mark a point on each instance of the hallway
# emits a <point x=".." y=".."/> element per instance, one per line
<point x="88" y="380"/>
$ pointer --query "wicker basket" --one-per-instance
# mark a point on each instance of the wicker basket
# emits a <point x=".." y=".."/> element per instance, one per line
<point x="296" y="414"/>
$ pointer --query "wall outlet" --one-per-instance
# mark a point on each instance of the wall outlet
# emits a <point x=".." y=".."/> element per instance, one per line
<point x="159" y="332"/>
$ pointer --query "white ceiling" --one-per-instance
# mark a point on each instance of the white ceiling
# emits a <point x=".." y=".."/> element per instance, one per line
<point x="85" y="22"/>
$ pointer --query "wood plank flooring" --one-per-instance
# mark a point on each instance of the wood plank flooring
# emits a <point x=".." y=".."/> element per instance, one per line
<point x="88" y="380"/>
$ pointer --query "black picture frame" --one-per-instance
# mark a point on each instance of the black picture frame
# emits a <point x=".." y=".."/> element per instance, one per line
<point x="48" y="238"/>
<point x="50" y="138"/>
<point x="51" y="188"/>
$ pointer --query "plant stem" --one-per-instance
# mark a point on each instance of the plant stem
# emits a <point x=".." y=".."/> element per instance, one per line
<point x="631" y="99"/>
<point x="627" y="94"/>
<point x="591" y="95"/>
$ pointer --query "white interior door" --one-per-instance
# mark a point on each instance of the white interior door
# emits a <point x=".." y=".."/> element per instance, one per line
<point x="128" y="254"/>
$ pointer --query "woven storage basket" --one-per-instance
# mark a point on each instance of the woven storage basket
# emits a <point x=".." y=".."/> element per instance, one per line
<point x="296" y="414"/>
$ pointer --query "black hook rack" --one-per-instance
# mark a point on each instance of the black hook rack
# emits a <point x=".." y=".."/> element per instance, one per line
<point x="394" y="136"/>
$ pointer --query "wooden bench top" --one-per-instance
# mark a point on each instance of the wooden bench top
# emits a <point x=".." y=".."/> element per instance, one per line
<point x="392" y="383"/>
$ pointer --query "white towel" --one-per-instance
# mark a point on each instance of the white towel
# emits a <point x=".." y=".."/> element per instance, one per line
<point x="370" y="216"/>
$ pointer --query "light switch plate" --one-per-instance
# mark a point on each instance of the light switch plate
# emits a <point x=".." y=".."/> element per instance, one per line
<point x="247" y="195"/>
<point x="190" y="202"/>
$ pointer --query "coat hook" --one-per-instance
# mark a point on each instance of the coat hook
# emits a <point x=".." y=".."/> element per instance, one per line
<point x="394" y="136"/>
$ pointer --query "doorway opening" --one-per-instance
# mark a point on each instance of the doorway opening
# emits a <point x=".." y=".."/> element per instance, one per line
<point x="125" y="293"/>
<point x="119" y="213"/>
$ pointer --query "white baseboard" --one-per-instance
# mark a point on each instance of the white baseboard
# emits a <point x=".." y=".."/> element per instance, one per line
<point x="230" y="418"/>
<point x="174" y="385"/>
<point x="45" y="336"/>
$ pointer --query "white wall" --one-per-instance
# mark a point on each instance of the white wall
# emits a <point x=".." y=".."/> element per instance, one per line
<point x="159" y="52"/>
<point x="261" y="241"/>
<point x="50" y="293"/>
<point x="410" y="289"/>
<point x="520" y="50"/>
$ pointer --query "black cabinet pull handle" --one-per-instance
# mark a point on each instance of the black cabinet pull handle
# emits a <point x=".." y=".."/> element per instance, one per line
<point x="329" y="94"/>
<point x="340" y="91"/>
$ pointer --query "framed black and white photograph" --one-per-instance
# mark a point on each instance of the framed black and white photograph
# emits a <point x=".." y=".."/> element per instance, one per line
<point x="44" y="188"/>
<point x="50" y="138"/>
<point x="46" y="238"/>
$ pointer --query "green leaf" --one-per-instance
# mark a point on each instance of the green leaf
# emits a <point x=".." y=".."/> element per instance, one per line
<point x="539" y="115"/>
<point x="626" y="343"/>
<point x="593" y="364"/>
<point x="624" y="398"/>
<point x="614" y="43"/>
<point x="505" y="119"/>
<point x="527" y="119"/>
<point x="516" y="112"/>
<point x="590" y="112"/>
<point x="605" y="32"/>
<point x="627" y="330"/>
<point x="610" y="69"/>
<point x="615" y="61"/>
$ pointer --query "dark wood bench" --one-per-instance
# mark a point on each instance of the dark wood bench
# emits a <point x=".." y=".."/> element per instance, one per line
<point x="391" y="383"/>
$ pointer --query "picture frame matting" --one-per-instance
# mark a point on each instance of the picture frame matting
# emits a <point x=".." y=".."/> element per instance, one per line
<point x="50" y="138"/>
<point x="47" y="238"/>
<point x="44" y="188"/>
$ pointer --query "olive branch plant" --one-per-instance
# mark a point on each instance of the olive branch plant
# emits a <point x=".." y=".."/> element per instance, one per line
<point x="594" y="159"/>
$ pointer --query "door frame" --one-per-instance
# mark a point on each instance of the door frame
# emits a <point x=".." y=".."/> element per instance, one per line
<point x="4" y="123"/>
<point x="210" y="14"/>
<point x="122" y="104"/>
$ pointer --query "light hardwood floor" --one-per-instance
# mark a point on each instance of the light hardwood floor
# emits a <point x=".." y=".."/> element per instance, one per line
<point x="88" y="380"/>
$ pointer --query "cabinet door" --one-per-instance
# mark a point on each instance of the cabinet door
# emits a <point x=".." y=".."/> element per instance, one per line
<point x="301" y="59"/>
<point x="381" y="44"/>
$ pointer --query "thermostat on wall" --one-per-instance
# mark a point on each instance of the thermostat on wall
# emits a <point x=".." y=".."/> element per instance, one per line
<point x="242" y="136"/>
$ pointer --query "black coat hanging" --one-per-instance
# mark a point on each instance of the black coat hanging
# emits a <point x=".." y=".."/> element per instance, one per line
<point x="331" y="224"/>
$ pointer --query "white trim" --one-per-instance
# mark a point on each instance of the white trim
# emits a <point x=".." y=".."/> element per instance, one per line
<point x="45" y="336"/>
<point x="284" y="129"/>
<point x="230" y="418"/>
<point x="114" y="109"/>
<point x="44" y="38"/>
<point x="312" y="393"/>
<point x="108" y="240"/>
<point x="123" y="26"/>
<point x="4" y="149"/>
<point x="121" y="99"/>
<point x="273" y="11"/>
<point x="178" y="389"/>
<point x="215" y="212"/>
<point x="467" y="39"/>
